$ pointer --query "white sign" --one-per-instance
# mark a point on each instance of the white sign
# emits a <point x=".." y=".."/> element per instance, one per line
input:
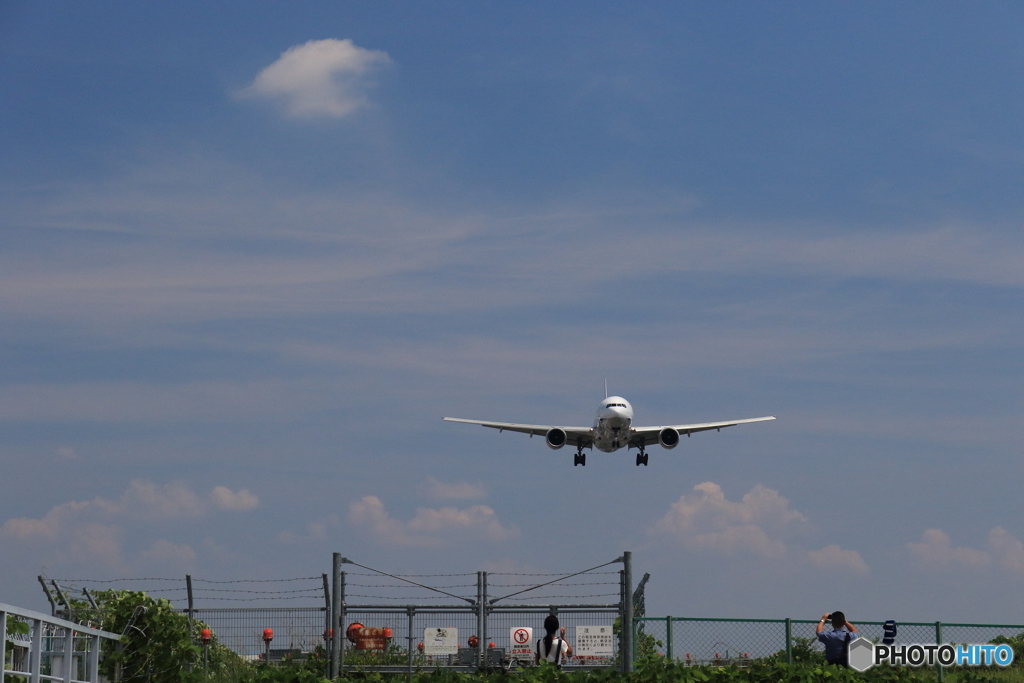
<point x="521" y="639"/>
<point x="594" y="641"/>
<point x="440" y="641"/>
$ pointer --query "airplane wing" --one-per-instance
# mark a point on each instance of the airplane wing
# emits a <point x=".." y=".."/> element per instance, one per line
<point x="650" y="434"/>
<point x="575" y="436"/>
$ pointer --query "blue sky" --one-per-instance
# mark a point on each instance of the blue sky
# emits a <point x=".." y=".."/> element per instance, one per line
<point x="250" y="254"/>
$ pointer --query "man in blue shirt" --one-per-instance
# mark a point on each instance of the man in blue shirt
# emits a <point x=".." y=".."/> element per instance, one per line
<point x="837" y="640"/>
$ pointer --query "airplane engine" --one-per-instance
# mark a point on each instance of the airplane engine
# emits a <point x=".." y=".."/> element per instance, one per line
<point x="556" y="438"/>
<point x="668" y="438"/>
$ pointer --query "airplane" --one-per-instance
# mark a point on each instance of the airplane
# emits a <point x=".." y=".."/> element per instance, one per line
<point x="612" y="430"/>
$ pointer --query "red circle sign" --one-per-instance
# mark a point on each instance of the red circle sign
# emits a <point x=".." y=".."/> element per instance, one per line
<point x="521" y="636"/>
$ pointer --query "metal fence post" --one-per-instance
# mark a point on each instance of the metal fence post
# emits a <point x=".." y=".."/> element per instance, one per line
<point x="627" y="616"/>
<point x="485" y="636"/>
<point x="412" y="613"/>
<point x="36" y="656"/>
<point x="342" y="631"/>
<point x="480" y="645"/>
<point x="191" y="619"/>
<point x="188" y="588"/>
<point x="327" y="620"/>
<point x="69" y="653"/>
<point x="668" y="638"/>
<point x="94" y="659"/>
<point x="789" y="640"/>
<point x="67" y="605"/>
<point x="49" y="596"/>
<point x="335" y="632"/>
<point x="938" y="641"/>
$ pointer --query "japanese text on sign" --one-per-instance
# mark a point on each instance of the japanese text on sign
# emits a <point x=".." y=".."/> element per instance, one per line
<point x="521" y="639"/>
<point x="594" y="641"/>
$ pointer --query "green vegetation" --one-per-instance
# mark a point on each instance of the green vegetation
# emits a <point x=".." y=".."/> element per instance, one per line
<point x="158" y="647"/>
<point x="15" y="626"/>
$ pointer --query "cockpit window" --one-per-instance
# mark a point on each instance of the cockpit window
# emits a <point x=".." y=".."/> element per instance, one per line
<point x="616" y="405"/>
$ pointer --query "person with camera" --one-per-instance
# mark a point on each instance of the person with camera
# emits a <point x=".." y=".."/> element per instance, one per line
<point x="552" y="648"/>
<point x="836" y="641"/>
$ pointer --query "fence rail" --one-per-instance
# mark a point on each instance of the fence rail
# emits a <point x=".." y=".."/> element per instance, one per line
<point x="725" y="641"/>
<point x="52" y="650"/>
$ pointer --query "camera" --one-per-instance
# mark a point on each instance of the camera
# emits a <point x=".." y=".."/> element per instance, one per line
<point x="828" y="617"/>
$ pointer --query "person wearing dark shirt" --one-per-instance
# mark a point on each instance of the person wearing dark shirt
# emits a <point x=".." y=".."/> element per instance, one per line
<point x="837" y="641"/>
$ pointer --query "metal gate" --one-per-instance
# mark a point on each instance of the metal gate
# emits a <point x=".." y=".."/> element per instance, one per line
<point x="485" y="605"/>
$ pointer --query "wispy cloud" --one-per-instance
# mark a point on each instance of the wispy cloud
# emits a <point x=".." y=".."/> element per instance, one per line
<point x="143" y="500"/>
<point x="430" y="527"/>
<point x="318" y="78"/>
<point x="707" y="520"/>
<point x="236" y="501"/>
<point x="833" y="557"/>
<point x="754" y="526"/>
<point x="935" y="550"/>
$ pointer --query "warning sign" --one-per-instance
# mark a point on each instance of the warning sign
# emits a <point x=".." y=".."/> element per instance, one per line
<point x="522" y="644"/>
<point x="440" y="641"/>
<point x="594" y="641"/>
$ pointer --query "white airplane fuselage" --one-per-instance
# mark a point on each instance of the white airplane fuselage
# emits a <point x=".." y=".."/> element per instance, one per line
<point x="613" y="430"/>
<point x="612" y="424"/>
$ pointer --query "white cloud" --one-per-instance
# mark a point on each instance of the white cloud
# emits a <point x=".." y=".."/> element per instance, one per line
<point x="142" y="501"/>
<point x="26" y="528"/>
<point x="834" y="557"/>
<point x="166" y="501"/>
<point x="458" y="491"/>
<point x="708" y="521"/>
<point x="754" y="526"/>
<point x="318" y="78"/>
<point x="164" y="552"/>
<point x="1007" y="550"/>
<point x="430" y="527"/>
<point x="239" y="501"/>
<point x="96" y="543"/>
<point x="936" y="550"/>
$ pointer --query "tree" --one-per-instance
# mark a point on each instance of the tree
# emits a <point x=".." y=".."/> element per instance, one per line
<point x="156" y="645"/>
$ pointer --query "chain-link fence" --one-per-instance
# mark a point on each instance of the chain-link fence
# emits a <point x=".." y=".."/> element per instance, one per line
<point x="739" y="641"/>
<point x="297" y="631"/>
<point x="391" y="622"/>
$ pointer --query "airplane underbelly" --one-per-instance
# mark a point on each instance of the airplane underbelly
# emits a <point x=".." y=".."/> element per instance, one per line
<point x="611" y="435"/>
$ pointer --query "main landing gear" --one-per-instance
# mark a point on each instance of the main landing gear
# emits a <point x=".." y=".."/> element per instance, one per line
<point x="641" y="458"/>
<point x="579" y="459"/>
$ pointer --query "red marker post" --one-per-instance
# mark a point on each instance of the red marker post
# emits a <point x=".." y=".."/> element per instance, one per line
<point x="206" y="635"/>
<point x="268" y="635"/>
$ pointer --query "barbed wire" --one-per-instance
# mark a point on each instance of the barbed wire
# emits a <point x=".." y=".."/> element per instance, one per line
<point x="299" y="578"/>
<point x="400" y="597"/>
<point x="79" y="581"/>
<point x="414" y="576"/>
<point x="182" y="580"/>
<point x="545" y="597"/>
<point x="237" y="590"/>
<point x="400" y="585"/>
<point x="584" y="583"/>
<point x="490" y="574"/>
<point x="292" y="597"/>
